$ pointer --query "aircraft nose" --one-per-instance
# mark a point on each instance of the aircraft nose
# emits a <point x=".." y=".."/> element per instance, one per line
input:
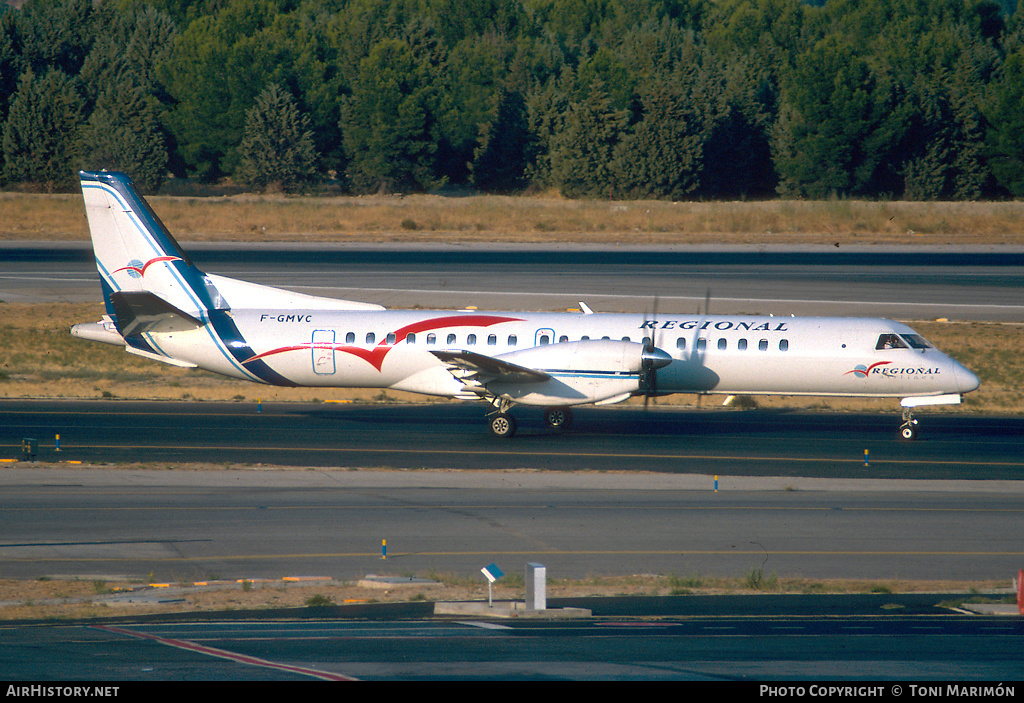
<point x="966" y="381"/>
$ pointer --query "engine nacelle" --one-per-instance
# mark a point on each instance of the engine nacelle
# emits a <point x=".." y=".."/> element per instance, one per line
<point x="597" y="356"/>
<point x="588" y="371"/>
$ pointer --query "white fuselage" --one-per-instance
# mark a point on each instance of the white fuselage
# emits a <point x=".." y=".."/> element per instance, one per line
<point x="730" y="354"/>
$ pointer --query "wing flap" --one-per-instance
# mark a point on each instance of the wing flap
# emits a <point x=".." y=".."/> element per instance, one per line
<point x="473" y="368"/>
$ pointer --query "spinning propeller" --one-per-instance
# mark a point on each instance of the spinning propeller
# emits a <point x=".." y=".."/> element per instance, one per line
<point x="651" y="359"/>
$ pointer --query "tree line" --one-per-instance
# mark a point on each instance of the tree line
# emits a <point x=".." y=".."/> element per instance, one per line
<point x="913" y="99"/>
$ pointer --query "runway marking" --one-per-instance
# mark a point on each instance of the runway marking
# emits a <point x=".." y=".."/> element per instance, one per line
<point x="589" y="455"/>
<point x="225" y="654"/>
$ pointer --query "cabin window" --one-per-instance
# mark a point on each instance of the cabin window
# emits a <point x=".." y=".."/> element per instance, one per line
<point x="544" y="339"/>
<point x="451" y="339"/>
<point x="563" y="338"/>
<point x="681" y="343"/>
<point x="410" y="338"/>
<point x="431" y="338"/>
<point x="783" y="345"/>
<point x="890" y="341"/>
<point x="584" y="338"/>
<point x="763" y="345"/>
<point x="350" y="338"/>
<point x="606" y="337"/>
<point x="391" y="337"/>
<point x="722" y="344"/>
<point x="471" y="339"/>
<point x="512" y="340"/>
<point x="702" y="344"/>
<point x="741" y="345"/>
<point x="370" y="337"/>
<point x="492" y="339"/>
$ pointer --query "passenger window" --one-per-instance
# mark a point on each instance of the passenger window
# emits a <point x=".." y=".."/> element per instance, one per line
<point x="702" y="344"/>
<point x="451" y="339"/>
<point x="370" y="337"/>
<point x="512" y="340"/>
<point x="783" y="345"/>
<point x="763" y="345"/>
<point x="544" y="339"/>
<point x="625" y="339"/>
<point x="681" y="343"/>
<point x="584" y="338"/>
<point x="722" y="343"/>
<point x="431" y="338"/>
<point x="492" y="339"/>
<point x="350" y="338"/>
<point x="741" y="345"/>
<point x="890" y="341"/>
<point x="563" y="338"/>
<point x="410" y="338"/>
<point x="391" y="338"/>
<point x="471" y="339"/>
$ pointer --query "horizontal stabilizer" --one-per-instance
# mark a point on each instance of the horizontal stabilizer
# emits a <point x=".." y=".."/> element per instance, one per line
<point x="491" y="368"/>
<point x="138" y="312"/>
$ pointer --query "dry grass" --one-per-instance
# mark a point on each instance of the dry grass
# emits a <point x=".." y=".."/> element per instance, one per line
<point x="486" y="218"/>
<point x="40" y="359"/>
<point x="74" y="599"/>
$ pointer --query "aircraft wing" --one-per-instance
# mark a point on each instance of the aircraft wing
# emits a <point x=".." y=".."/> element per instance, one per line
<point x="472" y="367"/>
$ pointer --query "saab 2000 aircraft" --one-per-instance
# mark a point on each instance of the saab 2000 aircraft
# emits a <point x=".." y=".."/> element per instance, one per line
<point x="160" y="306"/>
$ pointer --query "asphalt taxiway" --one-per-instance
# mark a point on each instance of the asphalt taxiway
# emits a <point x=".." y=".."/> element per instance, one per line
<point x="664" y="491"/>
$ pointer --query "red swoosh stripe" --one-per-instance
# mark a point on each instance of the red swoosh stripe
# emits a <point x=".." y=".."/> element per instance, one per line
<point x="375" y="356"/>
<point x="142" y="271"/>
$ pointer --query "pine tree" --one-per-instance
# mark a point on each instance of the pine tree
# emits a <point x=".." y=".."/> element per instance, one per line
<point x="277" y="151"/>
<point x="40" y="135"/>
<point x="123" y="134"/>
<point x="386" y="121"/>
<point x="501" y="159"/>
<point x="583" y="152"/>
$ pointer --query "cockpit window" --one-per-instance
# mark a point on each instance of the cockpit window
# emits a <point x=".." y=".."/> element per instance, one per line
<point x="916" y="341"/>
<point x="890" y="341"/>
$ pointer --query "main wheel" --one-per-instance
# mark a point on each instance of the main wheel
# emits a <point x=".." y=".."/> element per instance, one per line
<point x="908" y="432"/>
<point x="558" y="418"/>
<point x="502" y="425"/>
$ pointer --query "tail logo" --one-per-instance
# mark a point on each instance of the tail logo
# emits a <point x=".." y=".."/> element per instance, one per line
<point x="137" y="269"/>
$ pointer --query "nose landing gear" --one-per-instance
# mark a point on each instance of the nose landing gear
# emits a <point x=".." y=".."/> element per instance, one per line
<point x="908" y="430"/>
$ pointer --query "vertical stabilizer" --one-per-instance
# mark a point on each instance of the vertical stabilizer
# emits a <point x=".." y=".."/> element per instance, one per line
<point x="134" y="251"/>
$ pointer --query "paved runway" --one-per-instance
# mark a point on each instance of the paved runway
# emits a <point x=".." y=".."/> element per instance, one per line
<point x="905" y="284"/>
<point x="453" y="436"/>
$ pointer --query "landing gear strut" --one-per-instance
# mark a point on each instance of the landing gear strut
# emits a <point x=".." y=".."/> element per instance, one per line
<point x="908" y="430"/>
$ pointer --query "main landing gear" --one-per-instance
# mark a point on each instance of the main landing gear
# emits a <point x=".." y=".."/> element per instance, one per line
<point x="501" y="423"/>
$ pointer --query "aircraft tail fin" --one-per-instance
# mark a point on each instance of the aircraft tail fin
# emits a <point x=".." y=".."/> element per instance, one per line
<point x="135" y="253"/>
